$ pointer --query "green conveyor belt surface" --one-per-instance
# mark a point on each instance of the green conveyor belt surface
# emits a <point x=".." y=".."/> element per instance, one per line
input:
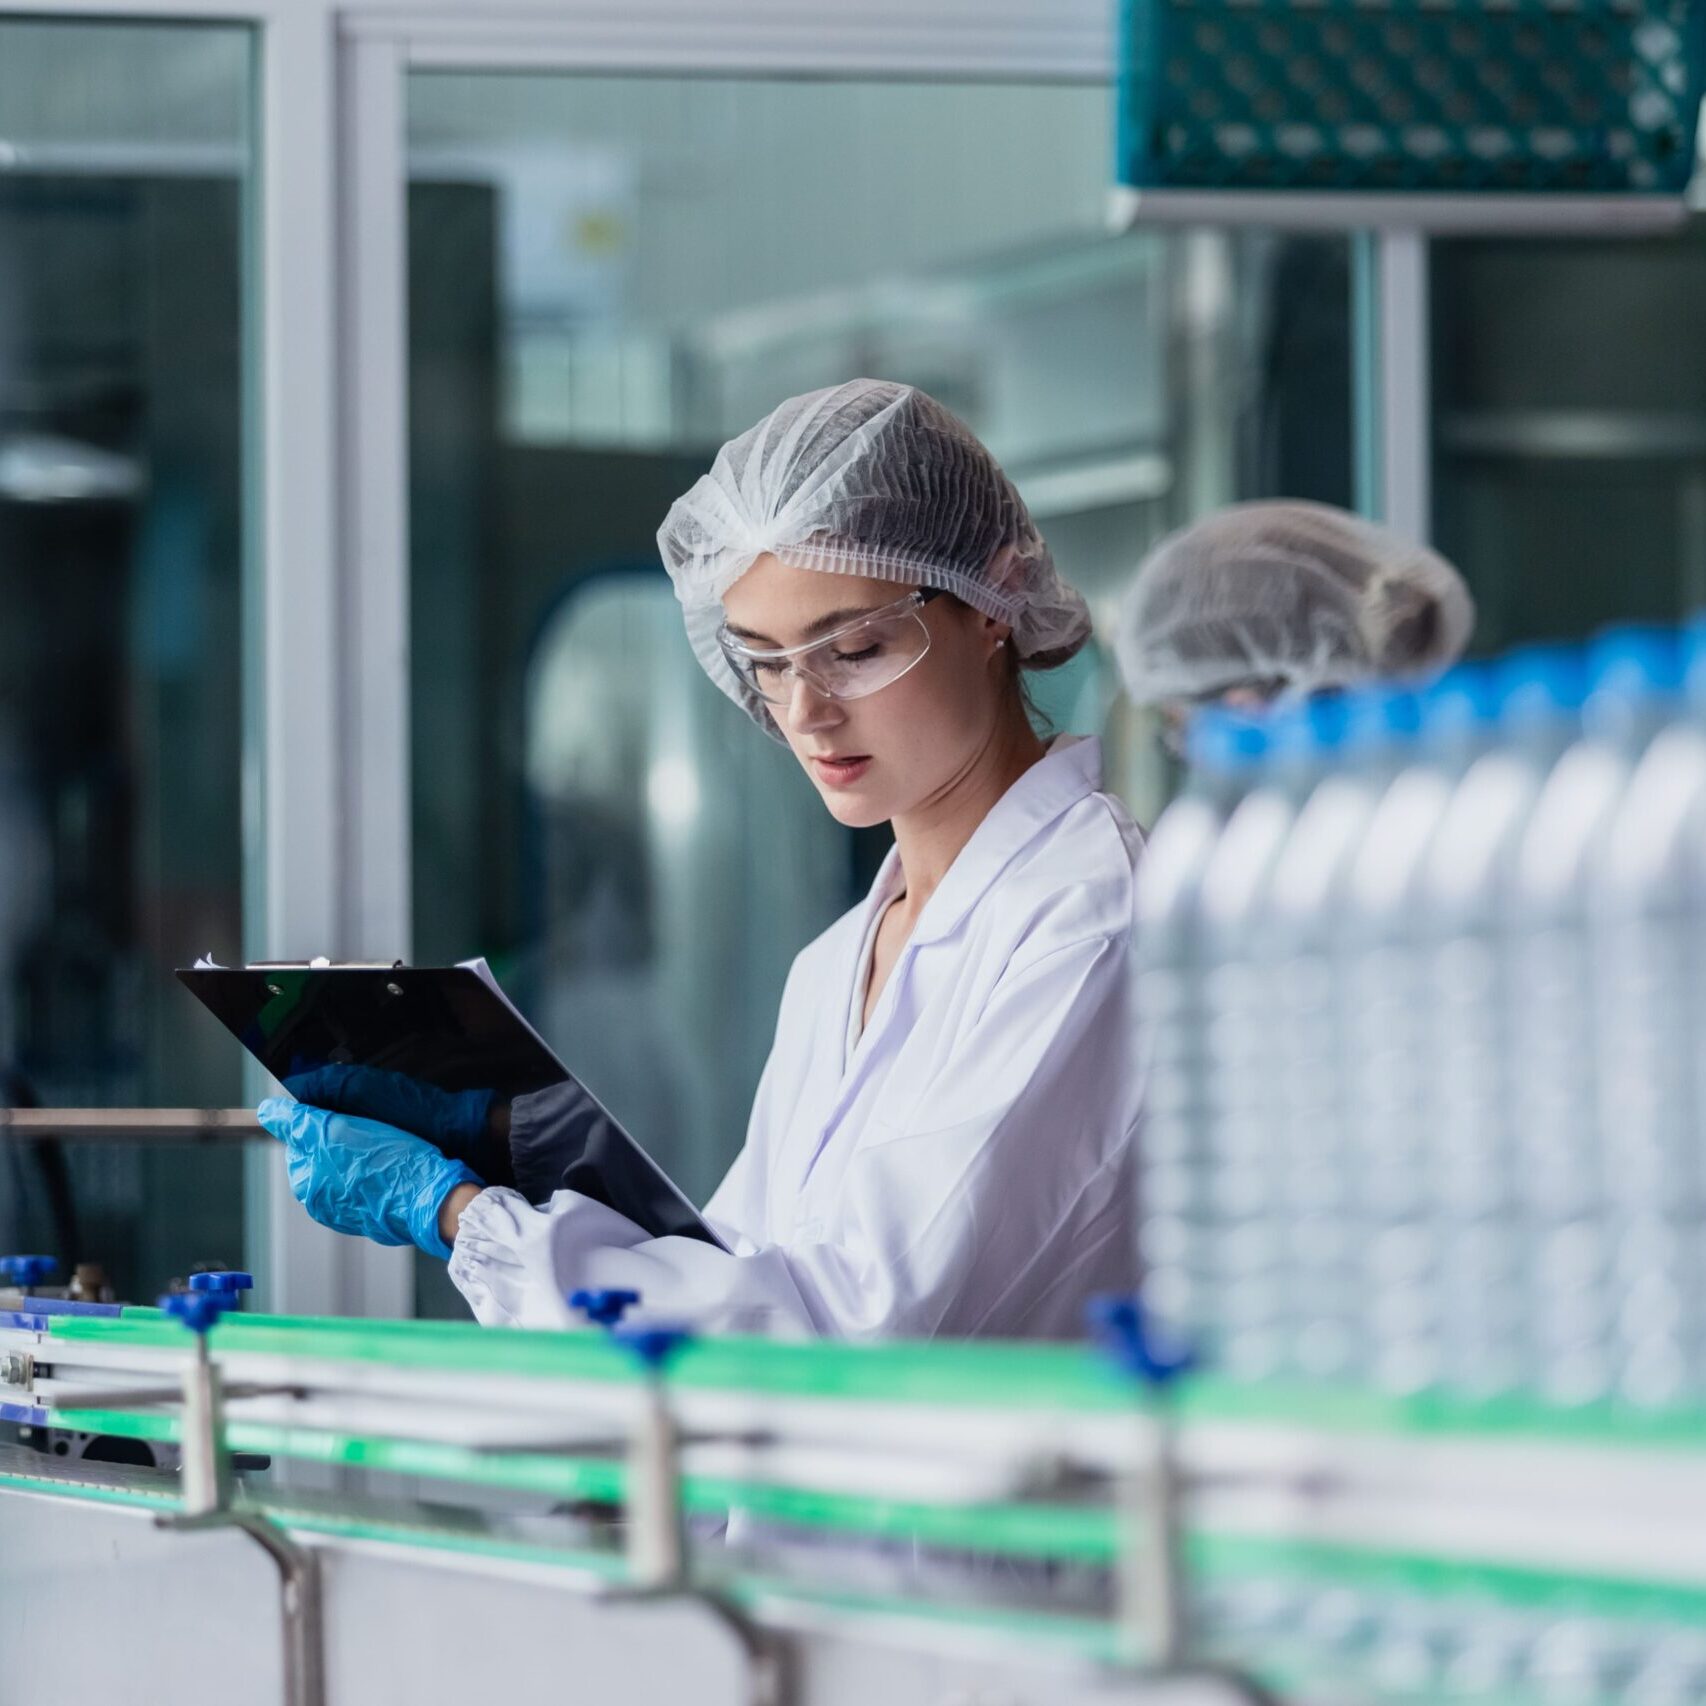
<point x="1078" y="1534"/>
<point x="1077" y="1636"/>
<point x="1023" y="1377"/>
<point x="1212" y="1558"/>
<point x="1018" y="1377"/>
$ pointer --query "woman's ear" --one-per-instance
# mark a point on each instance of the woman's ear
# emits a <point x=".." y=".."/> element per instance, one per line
<point x="992" y="632"/>
<point x="1003" y="571"/>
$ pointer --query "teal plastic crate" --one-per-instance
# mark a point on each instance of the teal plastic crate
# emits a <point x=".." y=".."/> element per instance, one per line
<point x="1425" y="96"/>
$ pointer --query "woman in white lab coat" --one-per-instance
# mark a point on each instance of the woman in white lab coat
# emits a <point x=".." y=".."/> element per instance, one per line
<point x="942" y="1139"/>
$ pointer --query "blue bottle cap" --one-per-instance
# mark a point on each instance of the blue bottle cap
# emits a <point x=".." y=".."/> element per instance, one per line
<point x="228" y="1281"/>
<point x="1692" y="644"/>
<point x="1636" y="660"/>
<point x="1462" y="702"/>
<point x="1293" y="733"/>
<point x="1227" y="742"/>
<point x="1329" y="717"/>
<point x="1381" y="715"/>
<point x="1540" y="684"/>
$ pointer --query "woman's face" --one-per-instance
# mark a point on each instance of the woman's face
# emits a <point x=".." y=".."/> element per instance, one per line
<point x="894" y="750"/>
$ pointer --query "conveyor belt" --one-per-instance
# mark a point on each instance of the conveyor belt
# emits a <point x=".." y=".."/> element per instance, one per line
<point x="1024" y="1456"/>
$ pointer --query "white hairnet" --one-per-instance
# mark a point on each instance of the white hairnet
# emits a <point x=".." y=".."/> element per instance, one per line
<point x="1287" y="596"/>
<point x="867" y="478"/>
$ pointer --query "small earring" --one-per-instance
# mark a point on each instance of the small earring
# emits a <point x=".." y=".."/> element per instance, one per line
<point x="1000" y="643"/>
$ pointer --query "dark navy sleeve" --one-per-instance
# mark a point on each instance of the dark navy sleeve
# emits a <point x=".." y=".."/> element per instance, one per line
<point x="557" y="1138"/>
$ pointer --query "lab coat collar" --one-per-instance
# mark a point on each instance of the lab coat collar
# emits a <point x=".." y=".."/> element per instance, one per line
<point x="1064" y="775"/>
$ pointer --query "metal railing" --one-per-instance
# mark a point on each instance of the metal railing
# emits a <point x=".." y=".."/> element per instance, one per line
<point x="130" y="1125"/>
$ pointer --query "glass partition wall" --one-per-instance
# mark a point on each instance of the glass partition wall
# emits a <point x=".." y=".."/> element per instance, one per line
<point x="124" y="171"/>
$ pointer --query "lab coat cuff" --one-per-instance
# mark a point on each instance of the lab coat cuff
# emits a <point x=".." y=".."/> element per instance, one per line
<point x="516" y="1263"/>
<point x="488" y="1261"/>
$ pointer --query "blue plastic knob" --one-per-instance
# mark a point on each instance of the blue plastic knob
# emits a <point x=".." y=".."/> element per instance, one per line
<point x="198" y="1310"/>
<point x="604" y="1308"/>
<point x="228" y="1282"/>
<point x="1125" y="1334"/>
<point x="27" y="1270"/>
<point x="654" y="1346"/>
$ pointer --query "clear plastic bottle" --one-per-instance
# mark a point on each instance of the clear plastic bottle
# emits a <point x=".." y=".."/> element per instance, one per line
<point x="1645" y="913"/>
<point x="1582" y="1661"/>
<point x="1178" y="1229"/>
<point x="1246" y="1163"/>
<point x="1671" y="1672"/>
<point x="1572" y="1291"/>
<point x="1493" y="1657"/>
<point x="1383" y="1071"/>
<point x="1359" y="743"/>
<point x="1469" y="1327"/>
<point x="1418" y="1642"/>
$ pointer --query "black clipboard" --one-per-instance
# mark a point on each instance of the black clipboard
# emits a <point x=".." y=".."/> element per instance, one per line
<point x="450" y="1027"/>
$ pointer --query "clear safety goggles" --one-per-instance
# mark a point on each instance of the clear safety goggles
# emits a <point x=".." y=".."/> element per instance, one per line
<point x="859" y="658"/>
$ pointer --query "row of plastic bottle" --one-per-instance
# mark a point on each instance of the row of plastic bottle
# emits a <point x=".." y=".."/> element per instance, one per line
<point x="1387" y="1645"/>
<point x="1423" y="981"/>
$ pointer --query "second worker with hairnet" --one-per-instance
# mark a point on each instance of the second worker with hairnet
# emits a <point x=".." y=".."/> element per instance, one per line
<point x="1264" y="602"/>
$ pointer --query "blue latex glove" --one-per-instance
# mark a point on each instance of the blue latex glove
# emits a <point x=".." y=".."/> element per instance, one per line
<point x="364" y="1178"/>
<point x="453" y="1119"/>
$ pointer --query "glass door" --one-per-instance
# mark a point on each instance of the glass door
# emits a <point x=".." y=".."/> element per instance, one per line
<point x="125" y="174"/>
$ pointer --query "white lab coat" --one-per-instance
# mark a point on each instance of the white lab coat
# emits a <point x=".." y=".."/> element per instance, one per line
<point x="964" y="1166"/>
